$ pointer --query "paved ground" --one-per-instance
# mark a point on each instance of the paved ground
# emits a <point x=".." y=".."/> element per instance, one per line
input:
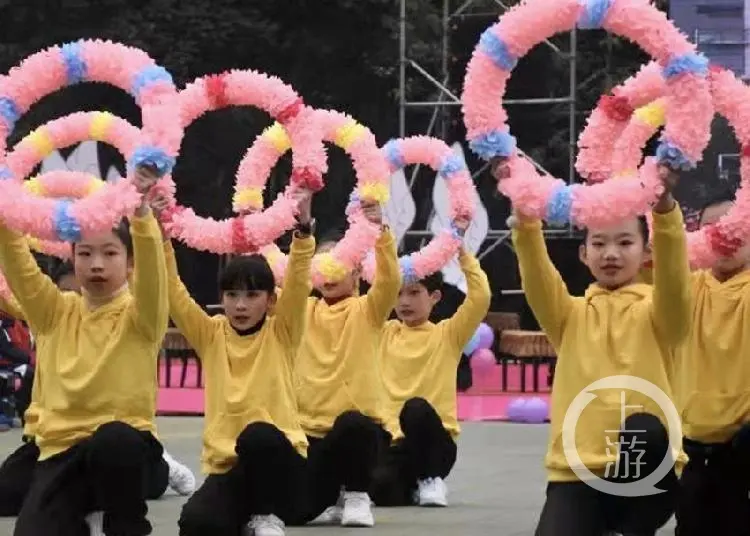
<point x="496" y="487"/>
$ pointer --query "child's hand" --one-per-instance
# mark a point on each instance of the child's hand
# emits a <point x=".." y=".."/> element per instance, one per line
<point x="499" y="168"/>
<point x="669" y="179"/>
<point x="303" y="196"/>
<point x="373" y="212"/>
<point x="462" y="223"/>
<point x="144" y="178"/>
<point x="159" y="203"/>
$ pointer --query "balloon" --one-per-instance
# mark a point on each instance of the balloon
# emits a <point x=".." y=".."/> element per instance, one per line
<point x="486" y="336"/>
<point x="516" y="409"/>
<point x="482" y="359"/>
<point x="535" y="410"/>
<point x="473" y="344"/>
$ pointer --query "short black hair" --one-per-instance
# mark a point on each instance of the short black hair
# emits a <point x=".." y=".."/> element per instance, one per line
<point x="331" y="237"/>
<point x="63" y="269"/>
<point x="724" y="195"/>
<point x="122" y="232"/>
<point x="642" y="227"/>
<point x="432" y="282"/>
<point x="247" y="272"/>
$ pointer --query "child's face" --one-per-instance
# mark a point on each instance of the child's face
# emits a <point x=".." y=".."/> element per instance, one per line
<point x="101" y="264"/>
<point x="734" y="263"/>
<point x="68" y="282"/>
<point x="415" y="304"/>
<point x="245" y="308"/>
<point x="615" y="255"/>
<point x="339" y="289"/>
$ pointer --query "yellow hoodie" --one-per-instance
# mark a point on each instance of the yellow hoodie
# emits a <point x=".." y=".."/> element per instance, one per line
<point x="632" y="331"/>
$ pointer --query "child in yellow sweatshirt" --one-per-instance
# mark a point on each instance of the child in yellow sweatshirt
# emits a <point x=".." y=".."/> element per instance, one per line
<point x="96" y="356"/>
<point x="339" y="387"/>
<point x="713" y="384"/>
<point x="418" y="360"/>
<point x="620" y="327"/>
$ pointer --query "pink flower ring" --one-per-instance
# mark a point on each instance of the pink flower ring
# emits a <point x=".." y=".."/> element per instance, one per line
<point x="731" y="99"/>
<point x="47" y="71"/>
<point x="62" y="219"/>
<point x="250" y="232"/>
<point x="373" y="177"/>
<point x="450" y="168"/>
<point x="689" y="110"/>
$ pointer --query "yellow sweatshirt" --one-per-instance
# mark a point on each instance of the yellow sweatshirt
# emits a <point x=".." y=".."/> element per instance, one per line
<point x="337" y="366"/>
<point x="713" y="367"/>
<point x="630" y="331"/>
<point x="422" y="361"/>
<point x="247" y="378"/>
<point x="95" y="365"/>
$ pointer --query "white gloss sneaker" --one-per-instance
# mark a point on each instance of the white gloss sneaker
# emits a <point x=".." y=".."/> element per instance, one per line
<point x="181" y="478"/>
<point x="357" y="510"/>
<point x="333" y="514"/>
<point x="95" y="521"/>
<point x="432" y="492"/>
<point x="269" y="525"/>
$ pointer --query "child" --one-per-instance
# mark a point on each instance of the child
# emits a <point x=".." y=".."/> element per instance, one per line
<point x="620" y="327"/>
<point x="713" y="383"/>
<point x="96" y="356"/>
<point x="254" y="450"/>
<point x="418" y="360"/>
<point x="339" y="388"/>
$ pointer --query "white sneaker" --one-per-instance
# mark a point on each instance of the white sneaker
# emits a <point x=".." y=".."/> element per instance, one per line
<point x="181" y="478"/>
<point x="432" y="492"/>
<point x="269" y="525"/>
<point x="357" y="510"/>
<point x="95" y="521"/>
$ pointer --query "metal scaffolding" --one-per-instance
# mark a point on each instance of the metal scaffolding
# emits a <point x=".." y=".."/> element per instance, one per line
<point x="447" y="99"/>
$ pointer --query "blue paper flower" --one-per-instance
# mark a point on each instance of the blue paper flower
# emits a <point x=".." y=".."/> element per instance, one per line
<point x="559" y="205"/>
<point x="451" y="164"/>
<point x="456" y="232"/>
<point x="75" y="65"/>
<point x="67" y="227"/>
<point x="594" y="12"/>
<point x="150" y="156"/>
<point x="473" y="343"/>
<point x="394" y="155"/>
<point x="688" y="63"/>
<point x="9" y="112"/>
<point x="408" y="274"/>
<point x="492" y="144"/>
<point x="497" y="50"/>
<point x="5" y="173"/>
<point x="147" y="77"/>
<point x="672" y="156"/>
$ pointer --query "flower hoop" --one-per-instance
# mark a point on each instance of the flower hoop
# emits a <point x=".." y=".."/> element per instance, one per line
<point x="250" y="232"/>
<point x="689" y="110"/>
<point x="371" y="169"/>
<point x="84" y="61"/>
<point x="63" y="219"/>
<point x="450" y="168"/>
<point x="730" y="99"/>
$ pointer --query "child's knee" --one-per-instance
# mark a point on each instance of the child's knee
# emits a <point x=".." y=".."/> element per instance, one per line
<point x="260" y="438"/>
<point x="117" y="443"/>
<point x="198" y="519"/>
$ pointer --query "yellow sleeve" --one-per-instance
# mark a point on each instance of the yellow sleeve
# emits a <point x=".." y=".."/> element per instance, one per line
<point x="383" y="294"/>
<point x="12" y="307"/>
<point x="463" y="324"/>
<point x="672" y="312"/>
<point x="189" y="317"/>
<point x="292" y="302"/>
<point x="542" y="285"/>
<point x="37" y="295"/>
<point x="151" y="309"/>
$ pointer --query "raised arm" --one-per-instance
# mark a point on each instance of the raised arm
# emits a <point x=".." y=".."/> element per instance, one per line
<point x="545" y="290"/>
<point x="292" y="302"/>
<point x="463" y="324"/>
<point x="383" y="294"/>
<point x="11" y="307"/>
<point x="672" y="311"/>
<point x="37" y="295"/>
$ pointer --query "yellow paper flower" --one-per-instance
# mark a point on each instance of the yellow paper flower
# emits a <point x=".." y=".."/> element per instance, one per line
<point x="249" y="197"/>
<point x="653" y="115"/>
<point x="374" y="191"/>
<point x="34" y="187"/>
<point x="95" y="184"/>
<point x="348" y="134"/>
<point x="100" y="123"/>
<point x="278" y="138"/>
<point x="331" y="269"/>
<point x="41" y="141"/>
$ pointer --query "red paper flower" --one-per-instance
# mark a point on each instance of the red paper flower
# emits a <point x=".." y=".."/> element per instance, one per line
<point x="721" y="243"/>
<point x="288" y="113"/>
<point x="616" y="108"/>
<point x="216" y="90"/>
<point x="305" y="178"/>
<point x="239" y="237"/>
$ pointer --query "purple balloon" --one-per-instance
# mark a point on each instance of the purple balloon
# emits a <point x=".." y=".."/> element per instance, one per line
<point x="486" y="336"/>
<point x="536" y="410"/>
<point x="516" y="409"/>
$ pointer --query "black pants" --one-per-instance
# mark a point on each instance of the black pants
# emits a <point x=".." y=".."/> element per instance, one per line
<point x="108" y="472"/>
<point x="576" y="509"/>
<point x="714" y="489"/>
<point x="426" y="451"/>
<point x="271" y="477"/>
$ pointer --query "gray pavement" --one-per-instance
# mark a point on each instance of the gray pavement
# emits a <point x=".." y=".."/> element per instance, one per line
<point x="496" y="488"/>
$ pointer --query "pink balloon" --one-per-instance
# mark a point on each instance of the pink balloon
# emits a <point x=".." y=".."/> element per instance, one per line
<point x="482" y="359"/>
